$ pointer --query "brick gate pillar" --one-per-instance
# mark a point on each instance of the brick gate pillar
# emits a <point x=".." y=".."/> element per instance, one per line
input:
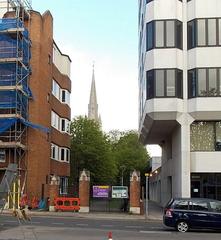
<point x="135" y="192"/>
<point x="84" y="191"/>
<point x="53" y="192"/>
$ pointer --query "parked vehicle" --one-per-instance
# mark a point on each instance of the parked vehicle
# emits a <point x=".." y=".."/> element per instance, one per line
<point x="186" y="213"/>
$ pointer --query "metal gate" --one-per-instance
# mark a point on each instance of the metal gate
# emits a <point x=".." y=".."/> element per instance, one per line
<point x="102" y="200"/>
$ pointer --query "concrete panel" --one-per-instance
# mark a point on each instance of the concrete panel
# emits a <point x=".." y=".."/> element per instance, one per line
<point x="203" y="9"/>
<point x="207" y="108"/>
<point x="164" y="58"/>
<point x="204" y="57"/>
<point x="161" y="9"/>
<point x="205" y="162"/>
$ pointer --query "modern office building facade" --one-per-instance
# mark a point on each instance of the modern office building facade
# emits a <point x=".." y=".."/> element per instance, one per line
<point x="35" y="112"/>
<point x="180" y="93"/>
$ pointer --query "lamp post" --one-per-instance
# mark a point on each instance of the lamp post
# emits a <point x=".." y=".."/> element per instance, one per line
<point x="147" y="175"/>
<point x="122" y="174"/>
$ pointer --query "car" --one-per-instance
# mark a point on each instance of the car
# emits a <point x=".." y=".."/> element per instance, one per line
<point x="192" y="213"/>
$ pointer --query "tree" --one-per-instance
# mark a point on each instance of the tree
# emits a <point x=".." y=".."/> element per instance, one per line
<point x="91" y="150"/>
<point x="129" y="154"/>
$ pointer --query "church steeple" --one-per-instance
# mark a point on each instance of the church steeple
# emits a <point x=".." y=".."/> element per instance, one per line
<point x="93" y="106"/>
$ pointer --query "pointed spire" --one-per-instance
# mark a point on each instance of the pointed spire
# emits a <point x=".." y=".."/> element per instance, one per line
<point x="93" y="106"/>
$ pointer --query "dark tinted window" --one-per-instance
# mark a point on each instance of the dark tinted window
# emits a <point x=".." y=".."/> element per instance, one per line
<point x="204" y="82"/>
<point x="164" y="83"/>
<point x="164" y="34"/>
<point x="199" y="205"/>
<point x="180" y="204"/>
<point x="204" y="32"/>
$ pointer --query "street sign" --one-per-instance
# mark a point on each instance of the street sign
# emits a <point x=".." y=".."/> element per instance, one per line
<point x="119" y="192"/>
<point x="101" y="191"/>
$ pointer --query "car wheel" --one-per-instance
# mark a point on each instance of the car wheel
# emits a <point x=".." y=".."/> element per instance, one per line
<point x="182" y="226"/>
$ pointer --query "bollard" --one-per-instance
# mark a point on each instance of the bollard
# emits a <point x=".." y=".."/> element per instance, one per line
<point x="110" y="236"/>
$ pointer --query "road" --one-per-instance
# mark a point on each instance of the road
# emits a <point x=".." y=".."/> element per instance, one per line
<point x="58" y="228"/>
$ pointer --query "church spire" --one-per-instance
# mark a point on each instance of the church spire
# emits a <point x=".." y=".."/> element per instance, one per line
<point x="93" y="106"/>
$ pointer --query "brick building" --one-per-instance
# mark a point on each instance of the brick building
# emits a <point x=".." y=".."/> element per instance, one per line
<point x="35" y="112"/>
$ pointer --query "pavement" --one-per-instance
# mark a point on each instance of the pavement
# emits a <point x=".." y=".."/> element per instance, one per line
<point x="155" y="212"/>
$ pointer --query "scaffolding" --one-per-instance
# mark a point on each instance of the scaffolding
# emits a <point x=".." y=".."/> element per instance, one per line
<point x="14" y="82"/>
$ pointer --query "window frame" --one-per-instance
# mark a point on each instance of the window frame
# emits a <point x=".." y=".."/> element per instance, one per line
<point x="178" y="84"/>
<point x="154" y="37"/>
<point x="194" y="43"/>
<point x="190" y="82"/>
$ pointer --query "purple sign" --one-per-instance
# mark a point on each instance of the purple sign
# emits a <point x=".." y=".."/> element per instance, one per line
<point x="101" y="191"/>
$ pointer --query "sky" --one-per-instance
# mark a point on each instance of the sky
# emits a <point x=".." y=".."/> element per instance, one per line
<point x="106" y="33"/>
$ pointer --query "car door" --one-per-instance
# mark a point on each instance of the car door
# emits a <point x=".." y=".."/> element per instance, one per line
<point x="215" y="214"/>
<point x="199" y="213"/>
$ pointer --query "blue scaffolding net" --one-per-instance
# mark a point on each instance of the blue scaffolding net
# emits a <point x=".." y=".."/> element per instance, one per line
<point x="14" y="74"/>
<point x="7" y="123"/>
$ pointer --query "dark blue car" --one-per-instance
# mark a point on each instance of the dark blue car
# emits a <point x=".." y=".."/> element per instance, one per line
<point x="186" y="213"/>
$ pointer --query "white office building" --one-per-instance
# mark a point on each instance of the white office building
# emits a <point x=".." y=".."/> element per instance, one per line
<point x="180" y="93"/>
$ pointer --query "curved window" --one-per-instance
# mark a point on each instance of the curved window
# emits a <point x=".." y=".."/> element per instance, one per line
<point x="204" y="82"/>
<point x="164" y="34"/>
<point x="204" y="32"/>
<point x="162" y="83"/>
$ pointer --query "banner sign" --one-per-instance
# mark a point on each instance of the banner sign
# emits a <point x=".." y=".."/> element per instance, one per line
<point x="101" y="191"/>
<point x="119" y="192"/>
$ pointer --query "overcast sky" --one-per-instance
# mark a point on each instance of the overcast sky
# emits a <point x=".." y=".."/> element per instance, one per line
<point x="105" y="32"/>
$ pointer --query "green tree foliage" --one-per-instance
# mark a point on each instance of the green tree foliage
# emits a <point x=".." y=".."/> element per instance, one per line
<point x="129" y="154"/>
<point x="91" y="150"/>
<point x="106" y="156"/>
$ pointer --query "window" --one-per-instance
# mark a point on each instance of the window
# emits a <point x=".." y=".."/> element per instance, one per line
<point x="159" y="33"/>
<point x="61" y="154"/>
<point x="181" y="204"/>
<point x="201" y="32"/>
<point x="65" y="96"/>
<point x="170" y="83"/>
<point x="204" y="32"/>
<point x="2" y="155"/>
<point x="55" y="120"/>
<point x="204" y="82"/>
<point x="164" y="34"/>
<point x="61" y="124"/>
<point x="68" y="155"/>
<point x="164" y="83"/>
<point x="65" y="125"/>
<point x="159" y="81"/>
<point x="54" y="152"/>
<point x="205" y="136"/>
<point x="215" y="206"/>
<point x="150" y="32"/>
<point x="199" y="205"/>
<point x="62" y="95"/>
<point x="55" y="89"/>
<point x="170" y="33"/>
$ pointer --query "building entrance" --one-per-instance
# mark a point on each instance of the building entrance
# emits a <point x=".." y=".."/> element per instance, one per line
<point x="206" y="185"/>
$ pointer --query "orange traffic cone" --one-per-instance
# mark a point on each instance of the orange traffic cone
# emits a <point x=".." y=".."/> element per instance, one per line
<point x="110" y="236"/>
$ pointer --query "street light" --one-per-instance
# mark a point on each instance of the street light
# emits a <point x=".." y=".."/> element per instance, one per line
<point x="147" y="175"/>
<point x="123" y="168"/>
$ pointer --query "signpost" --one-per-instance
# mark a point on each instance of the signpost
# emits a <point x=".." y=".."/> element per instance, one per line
<point x="101" y="191"/>
<point x="119" y="192"/>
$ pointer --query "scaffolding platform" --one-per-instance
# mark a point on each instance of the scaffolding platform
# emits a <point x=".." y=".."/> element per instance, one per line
<point x="6" y="145"/>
